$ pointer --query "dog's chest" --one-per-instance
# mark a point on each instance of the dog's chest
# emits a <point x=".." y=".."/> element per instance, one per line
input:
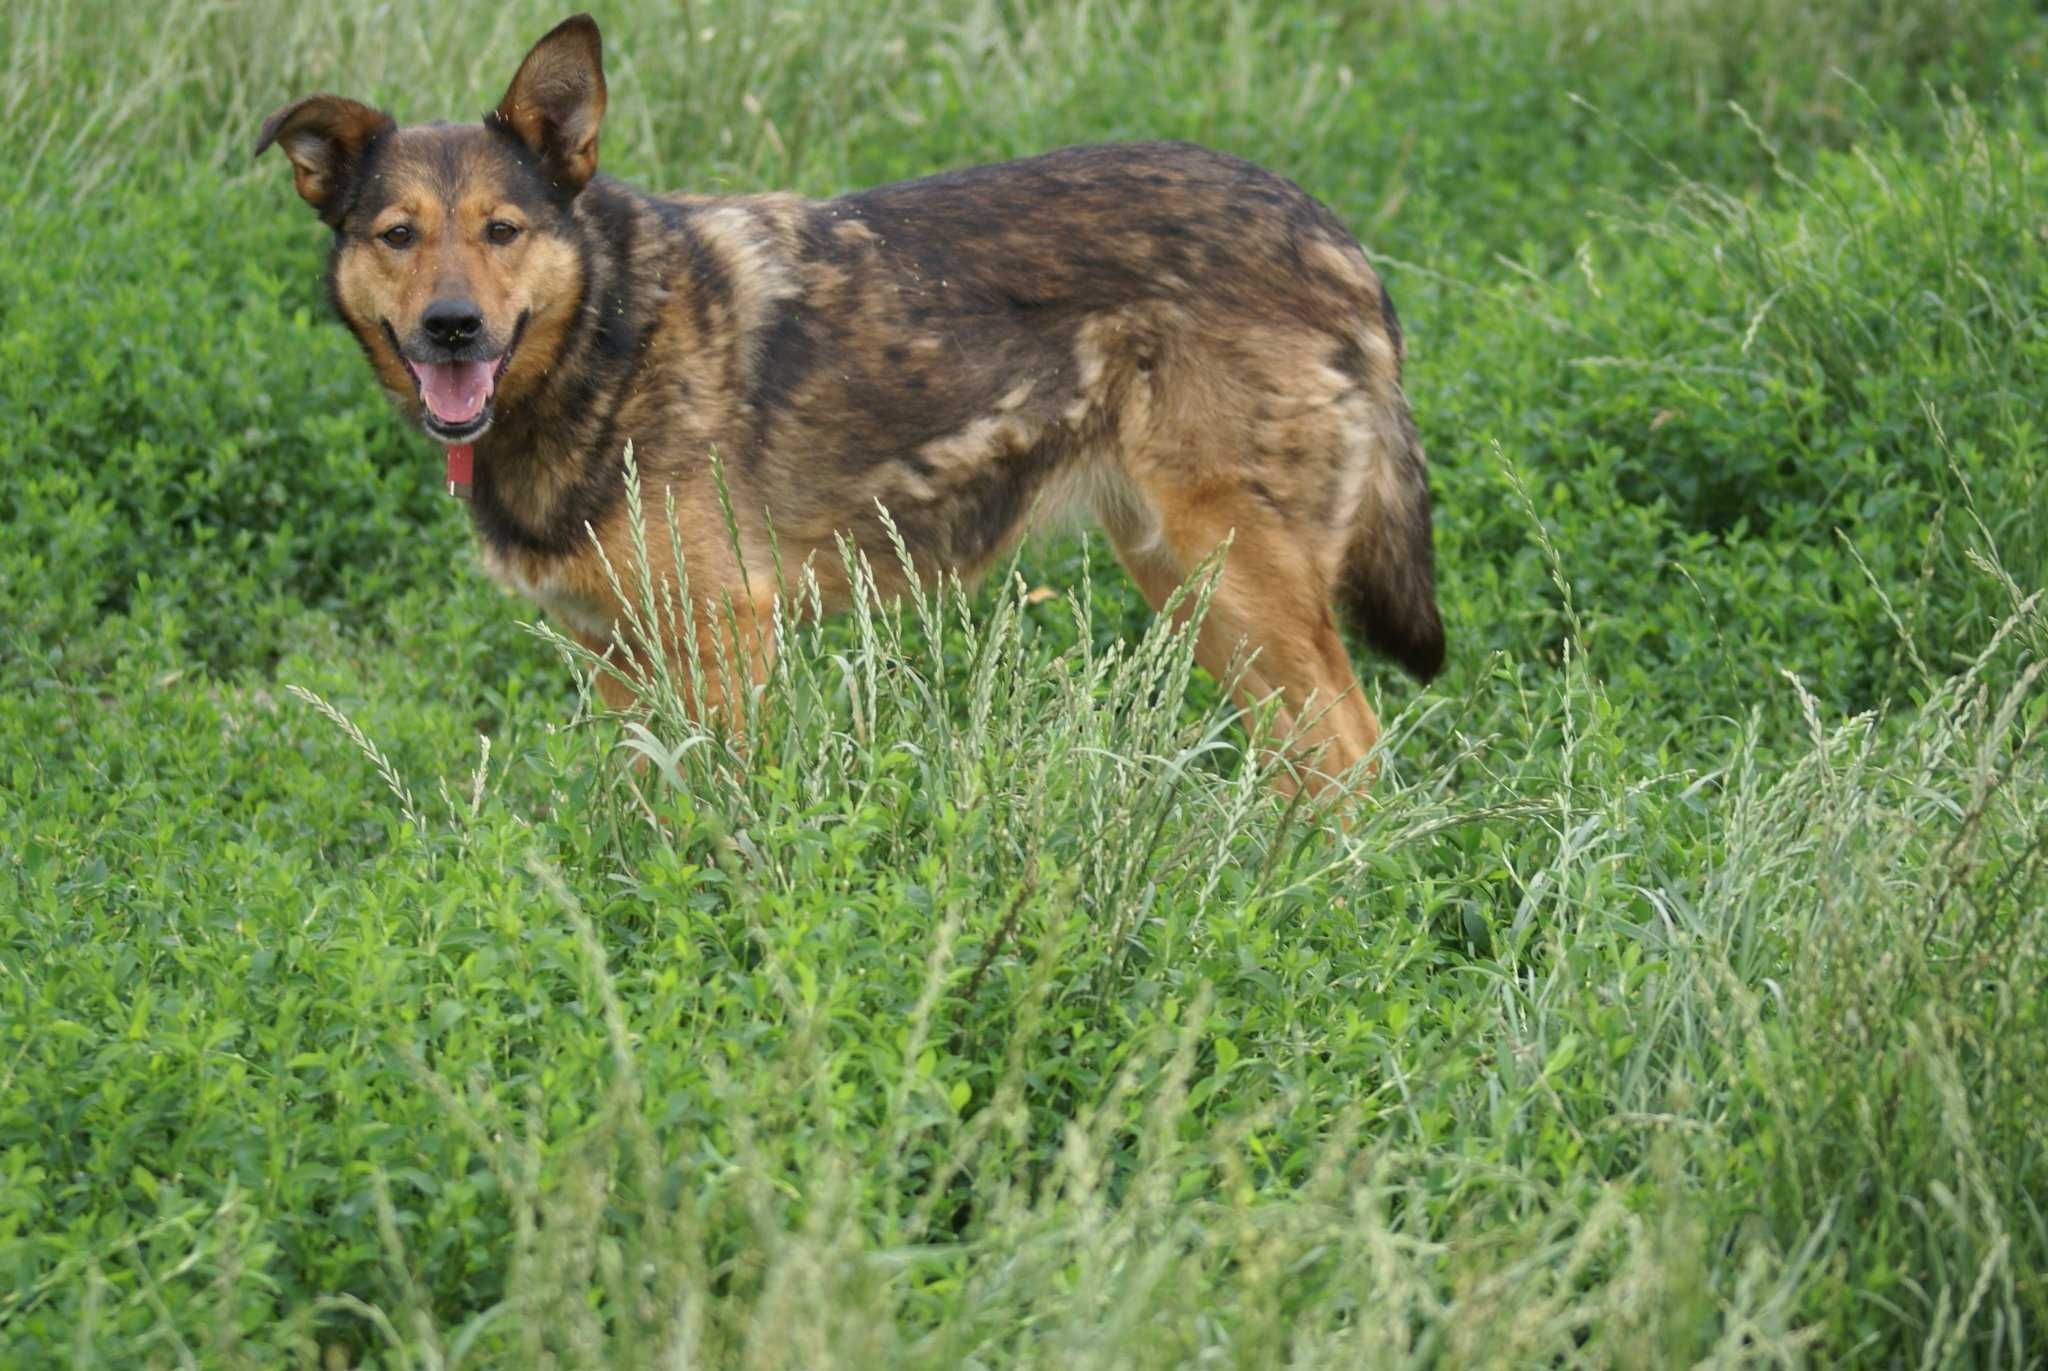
<point x="549" y="588"/>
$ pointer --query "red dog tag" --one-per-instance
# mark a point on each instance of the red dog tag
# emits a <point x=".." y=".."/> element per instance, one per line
<point x="460" y="461"/>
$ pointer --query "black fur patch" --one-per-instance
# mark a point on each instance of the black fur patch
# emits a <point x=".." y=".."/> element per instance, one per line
<point x="1392" y="319"/>
<point x="788" y="352"/>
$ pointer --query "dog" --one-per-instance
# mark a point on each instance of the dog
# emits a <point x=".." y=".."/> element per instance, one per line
<point x="1182" y="344"/>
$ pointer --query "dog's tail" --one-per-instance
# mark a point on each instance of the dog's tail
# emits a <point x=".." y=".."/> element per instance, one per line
<point x="1387" y="586"/>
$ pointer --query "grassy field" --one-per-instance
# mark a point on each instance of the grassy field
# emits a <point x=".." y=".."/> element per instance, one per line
<point x="1681" y="997"/>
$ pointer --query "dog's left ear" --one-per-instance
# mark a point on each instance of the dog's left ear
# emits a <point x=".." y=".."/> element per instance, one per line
<point x="324" y="136"/>
<point x="556" y="102"/>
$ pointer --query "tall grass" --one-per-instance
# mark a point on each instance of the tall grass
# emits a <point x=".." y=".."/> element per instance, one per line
<point x="1747" y="1069"/>
<point x="741" y="95"/>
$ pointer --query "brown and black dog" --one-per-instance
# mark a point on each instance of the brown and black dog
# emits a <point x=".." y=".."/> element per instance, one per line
<point x="1180" y="343"/>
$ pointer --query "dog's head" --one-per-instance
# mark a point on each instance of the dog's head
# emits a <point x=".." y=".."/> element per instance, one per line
<point x="457" y="260"/>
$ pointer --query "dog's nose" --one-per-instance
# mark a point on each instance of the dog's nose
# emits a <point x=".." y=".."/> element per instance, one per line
<point x="452" y="323"/>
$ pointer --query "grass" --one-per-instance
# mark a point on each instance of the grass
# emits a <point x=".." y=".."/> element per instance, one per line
<point x="1677" y="999"/>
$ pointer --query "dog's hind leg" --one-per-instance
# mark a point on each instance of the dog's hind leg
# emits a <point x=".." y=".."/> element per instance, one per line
<point x="1269" y="612"/>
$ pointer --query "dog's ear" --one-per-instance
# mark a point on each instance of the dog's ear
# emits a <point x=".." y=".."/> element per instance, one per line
<point x="556" y="102"/>
<point x="324" y="136"/>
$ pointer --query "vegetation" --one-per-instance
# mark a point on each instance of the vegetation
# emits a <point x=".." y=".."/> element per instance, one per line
<point x="1677" y="998"/>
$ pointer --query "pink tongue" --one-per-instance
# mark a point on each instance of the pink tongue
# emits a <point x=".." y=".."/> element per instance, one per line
<point x="455" y="392"/>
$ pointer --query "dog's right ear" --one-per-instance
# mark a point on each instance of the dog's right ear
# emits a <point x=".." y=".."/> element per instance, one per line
<point x="324" y="136"/>
<point x="556" y="102"/>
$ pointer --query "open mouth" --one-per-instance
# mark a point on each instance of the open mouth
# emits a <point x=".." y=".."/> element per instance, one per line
<point x="457" y="395"/>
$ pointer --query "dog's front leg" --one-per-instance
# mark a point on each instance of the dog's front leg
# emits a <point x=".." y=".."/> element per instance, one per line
<point x="711" y="675"/>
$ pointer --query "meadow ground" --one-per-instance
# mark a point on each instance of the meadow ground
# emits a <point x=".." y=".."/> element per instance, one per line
<point x="1678" y="999"/>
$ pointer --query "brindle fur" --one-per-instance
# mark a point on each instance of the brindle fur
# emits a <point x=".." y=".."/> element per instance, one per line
<point x="1179" y="342"/>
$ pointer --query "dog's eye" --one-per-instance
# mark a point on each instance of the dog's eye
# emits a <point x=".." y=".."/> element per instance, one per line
<point x="501" y="232"/>
<point x="397" y="236"/>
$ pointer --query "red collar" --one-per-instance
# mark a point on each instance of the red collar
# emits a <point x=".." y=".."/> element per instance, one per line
<point x="461" y="459"/>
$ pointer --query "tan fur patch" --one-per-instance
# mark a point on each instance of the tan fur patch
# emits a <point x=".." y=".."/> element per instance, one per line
<point x="1347" y="264"/>
<point x="740" y="237"/>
